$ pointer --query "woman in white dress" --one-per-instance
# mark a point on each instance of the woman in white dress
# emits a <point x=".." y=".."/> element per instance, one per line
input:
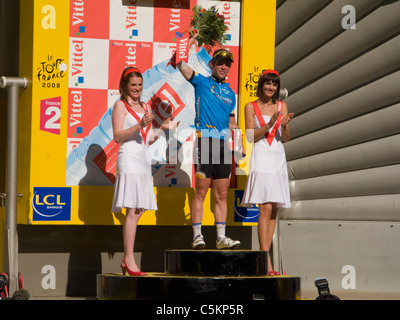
<point x="133" y="188"/>
<point x="267" y="184"/>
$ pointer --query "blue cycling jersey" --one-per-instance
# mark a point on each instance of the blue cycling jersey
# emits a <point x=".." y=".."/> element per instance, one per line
<point x="214" y="102"/>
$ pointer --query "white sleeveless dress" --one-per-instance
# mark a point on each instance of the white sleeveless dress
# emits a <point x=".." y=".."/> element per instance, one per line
<point x="268" y="177"/>
<point x="133" y="186"/>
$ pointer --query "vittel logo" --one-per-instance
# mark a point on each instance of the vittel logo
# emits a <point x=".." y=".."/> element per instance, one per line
<point x="131" y="18"/>
<point x="75" y="105"/>
<point x="226" y="12"/>
<point x="182" y="48"/>
<point x="131" y="54"/>
<point x="77" y="61"/>
<point x="175" y="16"/>
<point x="78" y="13"/>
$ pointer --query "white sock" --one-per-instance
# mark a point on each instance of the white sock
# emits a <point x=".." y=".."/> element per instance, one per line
<point x="220" y="229"/>
<point x="196" y="230"/>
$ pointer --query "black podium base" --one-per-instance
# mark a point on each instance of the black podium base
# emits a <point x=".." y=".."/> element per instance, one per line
<point x="216" y="262"/>
<point x="206" y="275"/>
<point x="159" y="286"/>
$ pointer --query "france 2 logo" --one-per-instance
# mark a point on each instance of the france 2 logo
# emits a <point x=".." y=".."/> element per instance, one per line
<point x="50" y="115"/>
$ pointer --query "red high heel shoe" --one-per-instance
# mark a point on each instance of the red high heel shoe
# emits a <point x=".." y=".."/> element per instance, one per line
<point x="125" y="269"/>
<point x="275" y="273"/>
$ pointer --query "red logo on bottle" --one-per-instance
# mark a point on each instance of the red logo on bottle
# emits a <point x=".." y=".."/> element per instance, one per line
<point x="164" y="104"/>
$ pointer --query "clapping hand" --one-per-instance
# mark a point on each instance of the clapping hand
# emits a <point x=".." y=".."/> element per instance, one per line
<point x="169" y="124"/>
<point x="146" y="120"/>
<point x="287" y="119"/>
<point x="273" y="119"/>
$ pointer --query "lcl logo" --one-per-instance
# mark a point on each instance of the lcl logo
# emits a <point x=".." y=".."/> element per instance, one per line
<point x="49" y="200"/>
<point x="51" y="204"/>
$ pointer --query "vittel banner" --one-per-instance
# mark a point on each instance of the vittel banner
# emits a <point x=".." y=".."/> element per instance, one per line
<point x="106" y="36"/>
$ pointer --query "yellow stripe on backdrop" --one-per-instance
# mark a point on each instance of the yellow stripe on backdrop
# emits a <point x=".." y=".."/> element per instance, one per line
<point x="44" y="29"/>
<point x="44" y="46"/>
<point x="257" y="53"/>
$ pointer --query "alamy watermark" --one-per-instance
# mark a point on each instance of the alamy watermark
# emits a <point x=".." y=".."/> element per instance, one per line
<point x="211" y="151"/>
<point x="349" y="20"/>
<point x="349" y="280"/>
<point x="49" y="280"/>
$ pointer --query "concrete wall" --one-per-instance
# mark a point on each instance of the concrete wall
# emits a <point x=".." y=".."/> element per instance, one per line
<point x="344" y="155"/>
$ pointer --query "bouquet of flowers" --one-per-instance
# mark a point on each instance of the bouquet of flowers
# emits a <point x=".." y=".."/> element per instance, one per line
<point x="210" y="24"/>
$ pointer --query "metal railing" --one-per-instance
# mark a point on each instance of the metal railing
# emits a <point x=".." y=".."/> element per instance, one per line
<point x="11" y="245"/>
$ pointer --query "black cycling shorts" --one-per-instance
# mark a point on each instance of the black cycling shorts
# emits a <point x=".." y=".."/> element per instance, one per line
<point x="212" y="158"/>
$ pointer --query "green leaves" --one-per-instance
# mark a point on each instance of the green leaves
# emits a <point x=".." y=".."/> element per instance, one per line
<point x="210" y="24"/>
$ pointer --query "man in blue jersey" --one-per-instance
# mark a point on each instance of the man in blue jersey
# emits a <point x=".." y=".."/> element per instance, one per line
<point x="214" y="104"/>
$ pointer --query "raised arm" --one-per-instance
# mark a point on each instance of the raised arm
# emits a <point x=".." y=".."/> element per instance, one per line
<point x="187" y="71"/>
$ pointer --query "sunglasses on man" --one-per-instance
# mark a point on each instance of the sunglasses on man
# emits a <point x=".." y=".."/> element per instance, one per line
<point x="223" y="54"/>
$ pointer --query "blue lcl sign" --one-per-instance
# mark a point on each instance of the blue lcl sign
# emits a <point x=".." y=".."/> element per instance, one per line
<point x="244" y="214"/>
<point x="51" y="204"/>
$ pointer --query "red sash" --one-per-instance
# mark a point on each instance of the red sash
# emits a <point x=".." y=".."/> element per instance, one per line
<point x="143" y="131"/>
<point x="269" y="135"/>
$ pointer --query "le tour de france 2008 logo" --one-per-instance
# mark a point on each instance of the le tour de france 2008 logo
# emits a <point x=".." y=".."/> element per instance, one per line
<point x="251" y="81"/>
<point x="51" y="71"/>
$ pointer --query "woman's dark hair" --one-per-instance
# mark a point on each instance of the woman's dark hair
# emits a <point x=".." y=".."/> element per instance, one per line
<point x="126" y="75"/>
<point x="268" y="77"/>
